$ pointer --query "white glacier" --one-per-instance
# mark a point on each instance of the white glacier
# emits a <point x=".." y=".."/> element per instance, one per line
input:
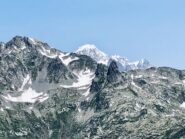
<point x="100" y="57"/>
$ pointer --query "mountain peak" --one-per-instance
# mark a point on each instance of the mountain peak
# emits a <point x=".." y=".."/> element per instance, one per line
<point x="86" y="47"/>
<point x="92" y="51"/>
<point x="90" y="48"/>
<point x="20" y="40"/>
<point x="123" y="63"/>
<point x="113" y="74"/>
<point x="45" y="92"/>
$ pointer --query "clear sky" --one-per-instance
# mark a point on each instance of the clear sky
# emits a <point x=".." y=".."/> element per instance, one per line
<point x="151" y="29"/>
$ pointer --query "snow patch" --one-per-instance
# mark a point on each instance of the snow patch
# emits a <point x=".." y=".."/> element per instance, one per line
<point x="79" y="110"/>
<point x="1" y="109"/>
<point x="139" y="106"/>
<point x="67" y="60"/>
<point x="178" y="83"/>
<point x="119" y="59"/>
<point x="47" y="53"/>
<point x="7" y="107"/>
<point x="111" y="103"/>
<point x="83" y="83"/>
<point x="26" y="80"/>
<point x="132" y="76"/>
<point x="134" y="84"/>
<point x="30" y="108"/>
<point x="23" y="47"/>
<point x="21" y="133"/>
<point x="86" y="93"/>
<point x="9" y="51"/>
<point x="50" y="133"/>
<point x="182" y="105"/>
<point x="85" y="78"/>
<point x="87" y="99"/>
<point x="29" y="95"/>
<point x="170" y="115"/>
<point x="32" y="40"/>
<point x="162" y="77"/>
<point x="103" y="62"/>
<point x="139" y="76"/>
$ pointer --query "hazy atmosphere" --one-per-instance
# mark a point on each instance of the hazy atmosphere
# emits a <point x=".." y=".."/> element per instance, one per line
<point x="153" y="29"/>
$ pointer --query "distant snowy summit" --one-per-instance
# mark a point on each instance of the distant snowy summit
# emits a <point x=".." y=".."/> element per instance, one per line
<point x="94" y="53"/>
<point x="123" y="63"/>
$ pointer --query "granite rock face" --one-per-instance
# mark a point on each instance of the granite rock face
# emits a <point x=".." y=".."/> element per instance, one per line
<point x="49" y="94"/>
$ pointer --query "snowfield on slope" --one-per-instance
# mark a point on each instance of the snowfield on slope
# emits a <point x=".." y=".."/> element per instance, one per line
<point x="85" y="78"/>
<point x="29" y="95"/>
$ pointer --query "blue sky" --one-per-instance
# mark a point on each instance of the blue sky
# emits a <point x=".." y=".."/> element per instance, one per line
<point x="151" y="29"/>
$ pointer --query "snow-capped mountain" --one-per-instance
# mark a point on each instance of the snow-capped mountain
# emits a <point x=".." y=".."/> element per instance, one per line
<point x="123" y="63"/>
<point x="49" y="94"/>
<point x="94" y="53"/>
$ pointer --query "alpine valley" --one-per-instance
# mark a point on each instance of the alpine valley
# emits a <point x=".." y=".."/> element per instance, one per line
<point x="49" y="94"/>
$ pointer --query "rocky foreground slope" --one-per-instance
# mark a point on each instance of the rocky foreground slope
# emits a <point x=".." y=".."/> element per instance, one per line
<point x="49" y="94"/>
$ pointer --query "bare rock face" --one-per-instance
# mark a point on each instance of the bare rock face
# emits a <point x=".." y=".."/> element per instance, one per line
<point x="113" y="74"/>
<point x="49" y="94"/>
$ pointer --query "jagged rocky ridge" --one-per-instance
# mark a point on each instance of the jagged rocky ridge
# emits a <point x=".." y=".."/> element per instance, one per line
<point x="49" y="94"/>
<point x="123" y="63"/>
